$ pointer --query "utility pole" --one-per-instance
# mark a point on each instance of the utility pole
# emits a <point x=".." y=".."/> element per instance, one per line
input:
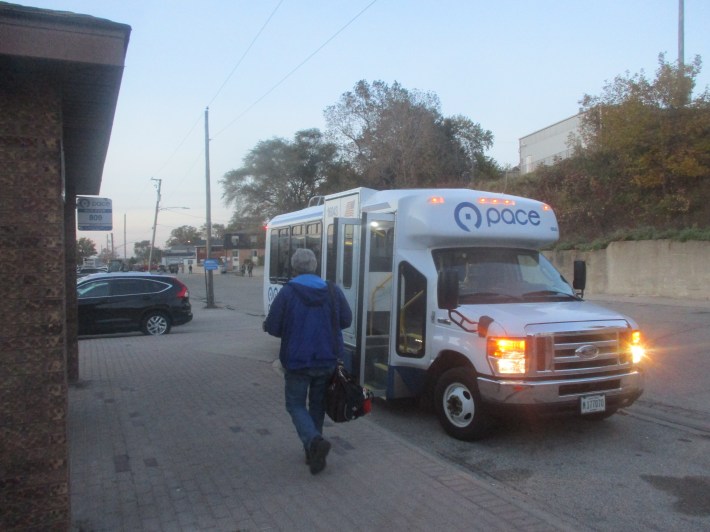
<point x="681" y="34"/>
<point x="155" y="223"/>
<point x="208" y="240"/>
<point x="124" y="237"/>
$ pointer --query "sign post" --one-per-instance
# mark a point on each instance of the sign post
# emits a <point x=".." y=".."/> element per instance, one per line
<point x="209" y="265"/>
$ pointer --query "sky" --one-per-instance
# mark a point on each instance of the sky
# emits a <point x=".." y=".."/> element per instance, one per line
<point x="269" y="68"/>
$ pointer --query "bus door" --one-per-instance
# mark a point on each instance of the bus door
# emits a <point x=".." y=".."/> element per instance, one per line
<point x="376" y="301"/>
<point x="342" y="267"/>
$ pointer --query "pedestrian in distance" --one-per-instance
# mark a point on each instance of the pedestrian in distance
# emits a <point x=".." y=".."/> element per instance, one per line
<point x="250" y="267"/>
<point x="190" y="268"/>
<point x="308" y="315"/>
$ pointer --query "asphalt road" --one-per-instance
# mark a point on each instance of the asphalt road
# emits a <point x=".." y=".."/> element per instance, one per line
<point x="646" y="468"/>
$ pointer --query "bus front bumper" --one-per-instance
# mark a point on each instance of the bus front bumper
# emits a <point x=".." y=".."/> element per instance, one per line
<point x="619" y="390"/>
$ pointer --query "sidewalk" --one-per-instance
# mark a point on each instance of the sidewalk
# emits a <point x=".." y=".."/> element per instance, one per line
<point x="172" y="434"/>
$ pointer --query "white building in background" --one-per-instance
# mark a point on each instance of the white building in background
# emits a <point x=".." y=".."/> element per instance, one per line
<point x="550" y="143"/>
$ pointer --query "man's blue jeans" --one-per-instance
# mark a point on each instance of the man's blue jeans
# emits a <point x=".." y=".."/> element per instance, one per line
<point x="302" y="385"/>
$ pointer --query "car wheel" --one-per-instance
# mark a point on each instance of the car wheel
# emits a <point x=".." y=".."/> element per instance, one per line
<point x="155" y="323"/>
<point x="459" y="406"/>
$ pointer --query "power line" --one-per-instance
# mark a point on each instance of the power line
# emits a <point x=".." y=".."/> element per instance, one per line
<point x="267" y="93"/>
<point x="167" y="161"/>
<point x="272" y="89"/>
<point x="199" y="117"/>
<point x="246" y="51"/>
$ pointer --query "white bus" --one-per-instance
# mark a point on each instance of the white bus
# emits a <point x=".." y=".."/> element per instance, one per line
<point x="453" y="300"/>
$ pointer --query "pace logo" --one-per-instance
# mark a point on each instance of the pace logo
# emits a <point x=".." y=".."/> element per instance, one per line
<point x="271" y="294"/>
<point x="466" y="215"/>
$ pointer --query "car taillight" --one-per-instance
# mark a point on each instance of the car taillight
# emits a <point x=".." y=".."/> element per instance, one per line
<point x="182" y="290"/>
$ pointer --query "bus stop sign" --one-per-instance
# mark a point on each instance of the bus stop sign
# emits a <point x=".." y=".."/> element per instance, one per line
<point x="210" y="264"/>
<point x="94" y="214"/>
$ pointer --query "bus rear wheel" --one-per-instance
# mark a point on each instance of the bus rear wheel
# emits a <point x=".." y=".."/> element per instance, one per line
<point x="459" y="406"/>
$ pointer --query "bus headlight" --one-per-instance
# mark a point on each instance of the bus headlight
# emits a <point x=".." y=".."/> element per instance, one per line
<point x="507" y="355"/>
<point x="638" y="352"/>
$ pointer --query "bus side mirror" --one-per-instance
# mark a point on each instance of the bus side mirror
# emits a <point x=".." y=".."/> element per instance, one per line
<point x="580" y="276"/>
<point x="448" y="289"/>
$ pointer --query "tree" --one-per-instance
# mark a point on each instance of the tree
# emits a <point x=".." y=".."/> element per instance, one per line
<point x="656" y="129"/>
<point x="588" y="197"/>
<point x="644" y="162"/>
<point x="218" y="231"/>
<point x="85" y="248"/>
<point x="141" y="251"/>
<point x="280" y="176"/>
<point x="106" y="255"/>
<point x="396" y="138"/>
<point x="183" y="235"/>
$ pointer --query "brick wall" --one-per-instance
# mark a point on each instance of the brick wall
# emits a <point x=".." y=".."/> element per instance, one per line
<point x="34" y="469"/>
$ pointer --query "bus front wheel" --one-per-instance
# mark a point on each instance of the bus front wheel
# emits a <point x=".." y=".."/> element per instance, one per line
<point x="459" y="406"/>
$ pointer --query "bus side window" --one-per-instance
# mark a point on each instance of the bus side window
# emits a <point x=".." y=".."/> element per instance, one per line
<point x="381" y="250"/>
<point x="411" y="311"/>
<point x="349" y="234"/>
<point x="283" y="255"/>
<point x="274" y="256"/>
<point x="313" y="242"/>
<point x="285" y="242"/>
<point x="298" y="240"/>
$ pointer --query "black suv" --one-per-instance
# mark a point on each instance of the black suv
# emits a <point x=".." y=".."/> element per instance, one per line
<point x="131" y="301"/>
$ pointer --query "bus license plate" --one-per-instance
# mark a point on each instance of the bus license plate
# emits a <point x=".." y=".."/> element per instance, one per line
<point x="593" y="403"/>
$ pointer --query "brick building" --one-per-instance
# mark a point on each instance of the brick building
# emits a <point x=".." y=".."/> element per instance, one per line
<point x="60" y="75"/>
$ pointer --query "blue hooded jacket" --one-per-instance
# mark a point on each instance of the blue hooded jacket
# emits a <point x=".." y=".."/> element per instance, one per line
<point x="302" y="316"/>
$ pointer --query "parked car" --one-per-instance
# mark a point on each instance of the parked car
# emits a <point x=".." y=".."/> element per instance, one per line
<point x="131" y="301"/>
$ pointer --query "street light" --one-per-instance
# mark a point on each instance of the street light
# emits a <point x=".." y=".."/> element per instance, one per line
<point x="155" y="226"/>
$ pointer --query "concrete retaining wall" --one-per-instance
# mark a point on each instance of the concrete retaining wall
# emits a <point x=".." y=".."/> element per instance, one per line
<point x="646" y="268"/>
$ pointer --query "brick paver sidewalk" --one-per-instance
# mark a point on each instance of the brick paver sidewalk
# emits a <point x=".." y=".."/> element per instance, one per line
<point x="171" y="436"/>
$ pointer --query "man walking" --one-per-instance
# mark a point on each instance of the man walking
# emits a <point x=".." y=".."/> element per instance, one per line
<point x="308" y="315"/>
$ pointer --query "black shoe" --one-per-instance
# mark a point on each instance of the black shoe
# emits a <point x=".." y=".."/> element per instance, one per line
<point x="308" y="457"/>
<point x="319" y="450"/>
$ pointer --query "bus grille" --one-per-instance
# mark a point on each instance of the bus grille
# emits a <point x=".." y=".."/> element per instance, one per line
<point x="580" y="352"/>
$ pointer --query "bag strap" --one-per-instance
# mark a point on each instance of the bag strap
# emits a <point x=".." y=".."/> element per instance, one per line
<point x="333" y="318"/>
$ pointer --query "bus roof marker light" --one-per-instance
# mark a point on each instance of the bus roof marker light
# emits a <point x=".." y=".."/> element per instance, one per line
<point x="496" y="201"/>
<point x="436" y="200"/>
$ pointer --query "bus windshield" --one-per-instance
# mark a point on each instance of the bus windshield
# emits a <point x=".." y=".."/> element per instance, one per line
<point x="503" y="275"/>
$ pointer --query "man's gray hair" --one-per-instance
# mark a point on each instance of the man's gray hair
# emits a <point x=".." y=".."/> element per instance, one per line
<point x="304" y="261"/>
